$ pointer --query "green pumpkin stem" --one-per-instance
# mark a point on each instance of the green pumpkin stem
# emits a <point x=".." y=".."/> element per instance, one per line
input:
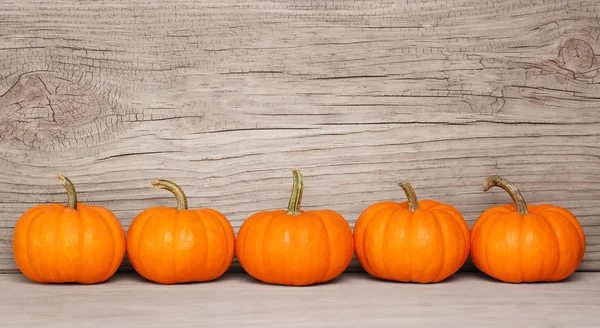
<point x="71" y="193"/>
<point x="413" y="202"/>
<point x="175" y="189"/>
<point x="512" y="190"/>
<point x="296" y="197"/>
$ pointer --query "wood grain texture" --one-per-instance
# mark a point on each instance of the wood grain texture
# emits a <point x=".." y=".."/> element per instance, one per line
<point x="352" y="300"/>
<point x="226" y="97"/>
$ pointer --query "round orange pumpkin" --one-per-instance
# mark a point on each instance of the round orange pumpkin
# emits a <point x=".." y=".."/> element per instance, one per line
<point x="73" y="243"/>
<point x="526" y="243"/>
<point x="177" y="245"/>
<point x="412" y="241"/>
<point x="295" y="247"/>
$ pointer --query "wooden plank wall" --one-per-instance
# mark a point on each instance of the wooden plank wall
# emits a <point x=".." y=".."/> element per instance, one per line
<point x="226" y="97"/>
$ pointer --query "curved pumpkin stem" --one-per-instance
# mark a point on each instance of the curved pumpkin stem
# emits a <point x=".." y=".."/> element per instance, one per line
<point x="512" y="190"/>
<point x="71" y="193"/>
<point x="296" y="197"/>
<point x="175" y="189"/>
<point x="413" y="202"/>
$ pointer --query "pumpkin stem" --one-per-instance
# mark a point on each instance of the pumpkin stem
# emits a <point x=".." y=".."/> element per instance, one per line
<point x="512" y="190"/>
<point x="296" y="197"/>
<point x="71" y="194"/>
<point x="413" y="203"/>
<point x="175" y="189"/>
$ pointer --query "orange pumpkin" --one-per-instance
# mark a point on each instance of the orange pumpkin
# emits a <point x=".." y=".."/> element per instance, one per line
<point x="73" y="243"/>
<point x="520" y="243"/>
<point x="177" y="245"/>
<point x="295" y="247"/>
<point x="413" y="241"/>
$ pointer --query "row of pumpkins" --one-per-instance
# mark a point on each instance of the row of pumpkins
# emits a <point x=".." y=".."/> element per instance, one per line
<point x="413" y="241"/>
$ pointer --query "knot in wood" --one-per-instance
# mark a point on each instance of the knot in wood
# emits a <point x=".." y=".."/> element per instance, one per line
<point x="43" y="111"/>
<point x="577" y="55"/>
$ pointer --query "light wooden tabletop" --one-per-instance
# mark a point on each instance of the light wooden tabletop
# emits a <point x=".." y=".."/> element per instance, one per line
<point x="352" y="300"/>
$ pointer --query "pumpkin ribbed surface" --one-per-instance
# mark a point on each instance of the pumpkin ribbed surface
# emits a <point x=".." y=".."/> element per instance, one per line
<point x="427" y="245"/>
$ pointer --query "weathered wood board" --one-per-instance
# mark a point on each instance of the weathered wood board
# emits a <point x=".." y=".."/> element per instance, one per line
<point x="226" y="97"/>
